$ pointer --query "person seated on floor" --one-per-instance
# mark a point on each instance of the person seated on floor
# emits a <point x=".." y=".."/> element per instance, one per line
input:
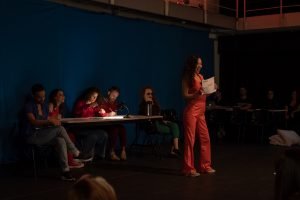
<point x="110" y="106"/>
<point x="91" y="140"/>
<point x="91" y="188"/>
<point x="164" y="126"/>
<point x="57" y="110"/>
<point x="287" y="172"/>
<point x="41" y="129"/>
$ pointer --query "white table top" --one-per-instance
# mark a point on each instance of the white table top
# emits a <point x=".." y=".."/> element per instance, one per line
<point x="107" y="120"/>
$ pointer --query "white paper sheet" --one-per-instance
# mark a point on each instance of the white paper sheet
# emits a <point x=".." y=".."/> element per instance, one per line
<point x="208" y="85"/>
<point x="114" y="117"/>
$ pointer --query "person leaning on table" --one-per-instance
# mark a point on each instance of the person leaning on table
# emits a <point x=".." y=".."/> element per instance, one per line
<point x="40" y="129"/>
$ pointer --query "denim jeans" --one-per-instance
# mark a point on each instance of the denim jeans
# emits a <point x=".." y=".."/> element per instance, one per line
<point x="58" y="137"/>
<point x="92" y="142"/>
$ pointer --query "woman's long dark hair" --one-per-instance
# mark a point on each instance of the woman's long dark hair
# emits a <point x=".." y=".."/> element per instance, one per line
<point x="52" y="99"/>
<point x="52" y="96"/>
<point x="153" y="95"/>
<point x="189" y="70"/>
<point x="155" y="105"/>
<point x="87" y="93"/>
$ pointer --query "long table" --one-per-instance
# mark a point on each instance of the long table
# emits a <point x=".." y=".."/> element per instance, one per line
<point x="99" y="121"/>
<point x="108" y="120"/>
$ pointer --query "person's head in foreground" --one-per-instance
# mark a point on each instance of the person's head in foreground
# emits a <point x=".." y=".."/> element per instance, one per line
<point x="92" y="188"/>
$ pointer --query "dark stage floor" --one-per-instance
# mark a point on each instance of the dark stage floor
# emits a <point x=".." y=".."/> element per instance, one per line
<point x="243" y="172"/>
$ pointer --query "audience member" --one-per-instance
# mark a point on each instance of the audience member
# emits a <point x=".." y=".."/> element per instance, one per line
<point x="92" y="188"/>
<point x="243" y="101"/>
<point x="270" y="102"/>
<point x="292" y="107"/>
<point x="216" y="115"/>
<point x="215" y="99"/>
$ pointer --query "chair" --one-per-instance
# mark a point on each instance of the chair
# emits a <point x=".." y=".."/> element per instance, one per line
<point x="148" y="137"/>
<point x="170" y="115"/>
<point x="26" y="150"/>
<point x="258" y="122"/>
<point x="152" y="139"/>
<point x="238" y="120"/>
<point x="39" y="152"/>
<point x="216" y="120"/>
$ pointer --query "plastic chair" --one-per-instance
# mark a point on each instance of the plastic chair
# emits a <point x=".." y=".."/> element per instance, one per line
<point x="148" y="137"/>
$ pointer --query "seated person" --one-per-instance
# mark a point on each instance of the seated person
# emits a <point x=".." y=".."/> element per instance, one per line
<point x="56" y="110"/>
<point x="215" y="100"/>
<point x="163" y="126"/>
<point x="217" y="97"/>
<point x="91" y="140"/>
<point x="243" y="101"/>
<point x="270" y="101"/>
<point x="92" y="188"/>
<point x="292" y="107"/>
<point x="40" y="129"/>
<point x="243" y="104"/>
<point x="111" y="107"/>
<point x="215" y="114"/>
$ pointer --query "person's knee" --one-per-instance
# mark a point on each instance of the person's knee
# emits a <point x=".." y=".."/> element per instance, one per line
<point x="173" y="125"/>
<point x="60" y="129"/>
<point x="60" y="141"/>
<point x="175" y="134"/>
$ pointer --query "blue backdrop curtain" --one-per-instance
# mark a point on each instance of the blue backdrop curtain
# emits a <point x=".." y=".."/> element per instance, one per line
<point x="72" y="49"/>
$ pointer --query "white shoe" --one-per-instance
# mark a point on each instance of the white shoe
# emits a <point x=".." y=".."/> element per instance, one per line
<point x="193" y="174"/>
<point x="113" y="156"/>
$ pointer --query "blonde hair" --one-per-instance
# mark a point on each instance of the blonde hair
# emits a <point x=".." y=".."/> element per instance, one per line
<point x="92" y="188"/>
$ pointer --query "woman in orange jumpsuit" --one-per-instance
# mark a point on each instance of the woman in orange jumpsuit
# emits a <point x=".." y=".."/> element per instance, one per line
<point x="194" y="120"/>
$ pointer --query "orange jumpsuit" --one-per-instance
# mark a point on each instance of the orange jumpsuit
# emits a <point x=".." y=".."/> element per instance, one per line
<point x="195" y="125"/>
